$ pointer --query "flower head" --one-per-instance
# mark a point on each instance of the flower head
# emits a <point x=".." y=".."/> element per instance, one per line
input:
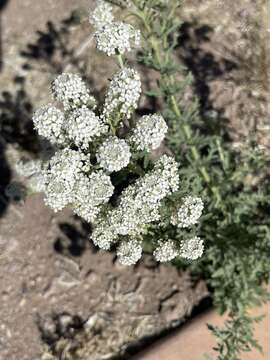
<point x="123" y="93"/>
<point x="101" y="15"/>
<point x="168" y="168"/>
<point x="116" y="38"/>
<point x="189" y="213"/>
<point x="149" y="132"/>
<point x="166" y="251"/>
<point x="71" y="91"/>
<point x="192" y="249"/>
<point x="49" y="123"/>
<point x="103" y="235"/>
<point x="83" y="125"/>
<point x="113" y="154"/>
<point x="129" y="251"/>
<point x="60" y="176"/>
<point x="89" y="193"/>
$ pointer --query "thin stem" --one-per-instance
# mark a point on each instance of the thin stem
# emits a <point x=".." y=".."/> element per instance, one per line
<point x="168" y="79"/>
<point x="120" y="61"/>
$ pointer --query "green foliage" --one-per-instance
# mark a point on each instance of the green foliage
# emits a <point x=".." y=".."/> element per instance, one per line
<point x="236" y="225"/>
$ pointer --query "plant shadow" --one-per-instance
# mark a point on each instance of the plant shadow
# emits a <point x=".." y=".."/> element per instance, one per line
<point x="74" y="240"/>
<point x="205" y="67"/>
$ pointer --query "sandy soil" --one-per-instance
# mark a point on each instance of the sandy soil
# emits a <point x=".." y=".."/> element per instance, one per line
<point x="52" y="279"/>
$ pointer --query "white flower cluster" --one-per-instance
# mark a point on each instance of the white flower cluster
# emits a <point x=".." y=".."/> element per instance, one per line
<point x="49" y="123"/>
<point x="129" y="252"/>
<point x="188" y="213"/>
<point x="83" y="125"/>
<point x="192" y="249"/>
<point x="116" y="38"/>
<point x="67" y="183"/>
<point x="113" y="154"/>
<point x="112" y="37"/>
<point x="168" y="250"/>
<point x="123" y="93"/>
<point x="61" y="174"/>
<point x="149" y="132"/>
<point x="79" y="125"/>
<point x="138" y="204"/>
<point x="89" y="193"/>
<point x="101" y="15"/>
<point x="71" y="91"/>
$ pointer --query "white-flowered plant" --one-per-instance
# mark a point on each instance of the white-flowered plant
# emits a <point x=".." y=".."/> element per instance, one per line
<point x="104" y="170"/>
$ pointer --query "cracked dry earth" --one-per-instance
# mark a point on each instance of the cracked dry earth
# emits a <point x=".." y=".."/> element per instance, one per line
<point x="57" y="289"/>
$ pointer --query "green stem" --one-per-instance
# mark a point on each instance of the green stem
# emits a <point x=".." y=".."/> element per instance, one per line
<point x="154" y="43"/>
<point x="120" y="61"/>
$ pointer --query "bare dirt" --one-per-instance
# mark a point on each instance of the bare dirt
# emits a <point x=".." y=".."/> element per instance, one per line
<point x="53" y="283"/>
<point x="226" y="46"/>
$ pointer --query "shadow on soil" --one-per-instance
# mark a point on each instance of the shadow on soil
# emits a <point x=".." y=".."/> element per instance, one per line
<point x="52" y="48"/>
<point x="17" y="130"/>
<point x="204" y="67"/>
<point x="75" y="238"/>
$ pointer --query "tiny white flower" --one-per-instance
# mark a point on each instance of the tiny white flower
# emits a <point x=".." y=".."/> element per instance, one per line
<point x="71" y="91"/>
<point x="89" y="193"/>
<point x="166" y="251"/>
<point x="113" y="154"/>
<point x="123" y="93"/>
<point x="168" y="167"/>
<point x="60" y="176"/>
<point x="101" y="15"/>
<point x="49" y="123"/>
<point x="116" y="38"/>
<point x="82" y="126"/>
<point x="129" y="251"/>
<point x="192" y="249"/>
<point x="188" y="213"/>
<point x="140" y="202"/>
<point x="149" y="132"/>
<point x="103" y="237"/>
